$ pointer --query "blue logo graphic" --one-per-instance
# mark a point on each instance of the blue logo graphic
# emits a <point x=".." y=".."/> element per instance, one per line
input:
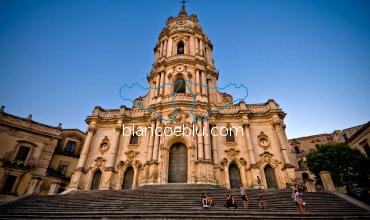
<point x="240" y="90"/>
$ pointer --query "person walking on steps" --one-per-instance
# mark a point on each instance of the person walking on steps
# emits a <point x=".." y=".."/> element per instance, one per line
<point x="243" y="195"/>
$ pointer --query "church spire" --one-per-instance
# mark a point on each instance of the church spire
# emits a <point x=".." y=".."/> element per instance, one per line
<point x="183" y="11"/>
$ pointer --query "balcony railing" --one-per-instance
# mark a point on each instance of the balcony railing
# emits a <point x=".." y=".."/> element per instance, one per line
<point x="58" y="173"/>
<point x="11" y="161"/>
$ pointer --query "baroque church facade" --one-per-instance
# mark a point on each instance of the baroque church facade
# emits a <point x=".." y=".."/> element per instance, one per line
<point x="259" y="157"/>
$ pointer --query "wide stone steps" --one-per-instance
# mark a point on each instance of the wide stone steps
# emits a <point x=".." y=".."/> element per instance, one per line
<point x="174" y="201"/>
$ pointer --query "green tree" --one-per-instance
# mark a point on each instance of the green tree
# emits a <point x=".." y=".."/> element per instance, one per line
<point x="346" y="165"/>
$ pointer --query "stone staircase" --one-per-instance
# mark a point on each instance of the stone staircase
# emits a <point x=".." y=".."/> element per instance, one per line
<point x="175" y="201"/>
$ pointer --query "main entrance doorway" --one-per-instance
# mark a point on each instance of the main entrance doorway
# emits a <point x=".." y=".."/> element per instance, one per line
<point x="270" y="177"/>
<point x="128" y="178"/>
<point x="96" y="180"/>
<point x="234" y="176"/>
<point x="178" y="164"/>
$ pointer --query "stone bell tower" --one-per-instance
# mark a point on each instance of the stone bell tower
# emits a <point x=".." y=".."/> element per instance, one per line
<point x="183" y="52"/>
<point x="184" y="72"/>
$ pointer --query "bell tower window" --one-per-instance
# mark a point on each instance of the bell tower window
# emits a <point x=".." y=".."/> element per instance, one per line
<point x="179" y="85"/>
<point x="180" y="48"/>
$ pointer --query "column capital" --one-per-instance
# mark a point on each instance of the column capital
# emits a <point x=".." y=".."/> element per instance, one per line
<point x="92" y="128"/>
<point x="119" y="125"/>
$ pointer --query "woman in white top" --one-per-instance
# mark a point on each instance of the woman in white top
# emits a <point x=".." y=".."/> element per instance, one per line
<point x="298" y="198"/>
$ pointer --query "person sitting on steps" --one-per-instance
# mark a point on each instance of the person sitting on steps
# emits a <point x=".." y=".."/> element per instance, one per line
<point x="230" y="202"/>
<point x="203" y="200"/>
<point x="209" y="200"/>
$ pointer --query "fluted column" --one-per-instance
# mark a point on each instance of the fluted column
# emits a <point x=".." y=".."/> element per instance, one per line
<point x="156" y="143"/>
<point x="207" y="146"/>
<point x="200" y="140"/>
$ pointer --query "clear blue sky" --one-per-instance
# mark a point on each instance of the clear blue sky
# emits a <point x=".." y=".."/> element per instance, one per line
<point x="59" y="59"/>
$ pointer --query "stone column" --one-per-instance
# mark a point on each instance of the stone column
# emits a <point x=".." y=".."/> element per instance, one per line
<point x="117" y="136"/>
<point x="75" y="179"/>
<point x="191" y="46"/>
<point x="327" y="181"/>
<point x="169" y="47"/>
<point x="134" y="181"/>
<point x="201" y="47"/>
<point x="281" y="143"/>
<point x="207" y="146"/>
<point x="197" y="82"/>
<point x="196" y="46"/>
<point x="165" y="48"/>
<point x="151" y="142"/>
<point x="249" y="143"/>
<point x="204" y="83"/>
<point x="86" y="147"/>
<point x="54" y="187"/>
<point x="214" y="146"/>
<point x="150" y="93"/>
<point x="156" y="143"/>
<point x="161" y="89"/>
<point x="161" y="49"/>
<point x="150" y="145"/>
<point x="157" y="84"/>
<point x="166" y="84"/>
<point x="200" y="140"/>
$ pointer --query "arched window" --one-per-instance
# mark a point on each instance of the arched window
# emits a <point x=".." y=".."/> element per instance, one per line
<point x="230" y="137"/>
<point x="180" y="48"/>
<point x="134" y="139"/>
<point x="22" y="153"/>
<point x="179" y="85"/>
<point x="96" y="180"/>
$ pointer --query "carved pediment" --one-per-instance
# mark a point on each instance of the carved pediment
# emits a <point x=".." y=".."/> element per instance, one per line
<point x="99" y="161"/>
<point x="267" y="158"/>
<point x="232" y="153"/>
<point x="131" y="155"/>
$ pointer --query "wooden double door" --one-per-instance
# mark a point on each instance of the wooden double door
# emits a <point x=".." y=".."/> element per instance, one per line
<point x="178" y="164"/>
